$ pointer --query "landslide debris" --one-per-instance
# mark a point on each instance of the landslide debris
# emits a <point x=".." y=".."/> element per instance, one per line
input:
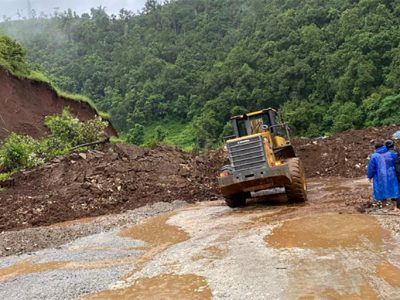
<point x="25" y="103"/>
<point x="344" y="154"/>
<point x="116" y="179"/>
<point x="124" y="177"/>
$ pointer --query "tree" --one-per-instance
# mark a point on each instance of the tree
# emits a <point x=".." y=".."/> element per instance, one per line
<point x="160" y="134"/>
<point x="12" y="56"/>
<point x="193" y="62"/>
<point x="136" y="135"/>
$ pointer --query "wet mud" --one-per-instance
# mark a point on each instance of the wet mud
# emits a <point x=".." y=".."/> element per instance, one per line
<point x="327" y="231"/>
<point x="389" y="273"/>
<point x="156" y="231"/>
<point x="28" y="267"/>
<point x="322" y="249"/>
<point x="366" y="293"/>
<point x="164" y="286"/>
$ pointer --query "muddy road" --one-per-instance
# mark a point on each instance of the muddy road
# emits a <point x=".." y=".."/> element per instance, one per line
<point x="325" y="249"/>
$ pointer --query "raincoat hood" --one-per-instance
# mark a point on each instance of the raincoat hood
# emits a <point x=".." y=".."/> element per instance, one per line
<point x="382" y="150"/>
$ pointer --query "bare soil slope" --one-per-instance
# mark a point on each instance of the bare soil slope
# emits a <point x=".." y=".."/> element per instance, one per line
<point x="25" y="103"/>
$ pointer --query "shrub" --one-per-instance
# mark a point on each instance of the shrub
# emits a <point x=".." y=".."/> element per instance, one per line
<point x="17" y="151"/>
<point x="160" y="134"/>
<point x="136" y="135"/>
<point x="92" y="131"/>
<point x="65" y="130"/>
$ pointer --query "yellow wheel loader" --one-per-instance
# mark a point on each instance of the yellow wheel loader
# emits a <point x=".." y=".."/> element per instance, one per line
<point x="261" y="157"/>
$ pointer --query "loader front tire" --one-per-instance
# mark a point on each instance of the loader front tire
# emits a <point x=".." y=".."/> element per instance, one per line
<point x="296" y="191"/>
<point x="237" y="200"/>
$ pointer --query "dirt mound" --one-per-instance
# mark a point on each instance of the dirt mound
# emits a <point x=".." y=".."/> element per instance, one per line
<point x="345" y="154"/>
<point x="119" y="178"/>
<point x="25" y="103"/>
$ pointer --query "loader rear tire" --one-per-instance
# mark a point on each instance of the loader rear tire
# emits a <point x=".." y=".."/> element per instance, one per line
<point x="296" y="191"/>
<point x="237" y="200"/>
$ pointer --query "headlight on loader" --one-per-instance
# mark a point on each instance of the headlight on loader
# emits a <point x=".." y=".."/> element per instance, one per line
<point x="224" y="174"/>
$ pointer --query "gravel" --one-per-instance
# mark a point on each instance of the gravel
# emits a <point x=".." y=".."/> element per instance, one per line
<point x="60" y="284"/>
<point x="33" y="239"/>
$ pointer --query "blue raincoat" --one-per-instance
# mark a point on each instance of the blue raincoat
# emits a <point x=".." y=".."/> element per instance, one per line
<point x="381" y="169"/>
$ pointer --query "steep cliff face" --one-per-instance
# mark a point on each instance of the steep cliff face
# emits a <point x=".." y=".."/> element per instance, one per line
<point x="25" y="103"/>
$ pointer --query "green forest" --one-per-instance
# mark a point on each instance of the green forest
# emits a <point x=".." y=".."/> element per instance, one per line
<point x="176" y="72"/>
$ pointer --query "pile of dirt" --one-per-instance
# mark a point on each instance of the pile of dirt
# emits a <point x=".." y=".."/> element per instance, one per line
<point x="345" y="154"/>
<point x="25" y="103"/>
<point x="116" y="179"/>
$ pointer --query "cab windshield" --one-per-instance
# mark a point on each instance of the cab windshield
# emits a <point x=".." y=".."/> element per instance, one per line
<point x="253" y="125"/>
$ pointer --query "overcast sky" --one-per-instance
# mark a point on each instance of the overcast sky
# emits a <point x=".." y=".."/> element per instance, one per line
<point x="10" y="7"/>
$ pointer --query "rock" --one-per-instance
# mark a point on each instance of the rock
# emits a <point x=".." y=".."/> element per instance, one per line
<point x="82" y="155"/>
<point x="74" y="156"/>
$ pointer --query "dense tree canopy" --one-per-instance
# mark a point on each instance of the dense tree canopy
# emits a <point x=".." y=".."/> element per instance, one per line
<point x="329" y="65"/>
<point x="12" y="56"/>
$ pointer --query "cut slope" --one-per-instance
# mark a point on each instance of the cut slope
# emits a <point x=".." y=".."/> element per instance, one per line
<point x="24" y="103"/>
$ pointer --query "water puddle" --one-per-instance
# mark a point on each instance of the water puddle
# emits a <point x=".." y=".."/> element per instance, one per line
<point x="327" y="231"/>
<point x="389" y="273"/>
<point x="164" y="286"/>
<point x="27" y="267"/>
<point x="156" y="231"/>
<point x="366" y="292"/>
<point x="158" y="234"/>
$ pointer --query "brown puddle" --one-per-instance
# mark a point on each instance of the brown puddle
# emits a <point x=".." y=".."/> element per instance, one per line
<point x="158" y="234"/>
<point x="389" y="273"/>
<point x="327" y="231"/>
<point x="156" y="231"/>
<point x="366" y="293"/>
<point x="27" y="267"/>
<point x="164" y="286"/>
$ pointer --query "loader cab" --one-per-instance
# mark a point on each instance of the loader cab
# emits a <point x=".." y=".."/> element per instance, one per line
<point x="255" y="123"/>
<point x="269" y="124"/>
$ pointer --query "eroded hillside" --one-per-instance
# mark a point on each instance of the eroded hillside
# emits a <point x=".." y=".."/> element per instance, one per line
<point x="24" y="104"/>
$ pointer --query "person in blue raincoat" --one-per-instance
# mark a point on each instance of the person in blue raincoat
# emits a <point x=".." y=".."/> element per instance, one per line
<point x="382" y="172"/>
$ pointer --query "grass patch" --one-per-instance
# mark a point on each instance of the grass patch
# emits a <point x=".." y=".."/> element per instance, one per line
<point x="117" y="140"/>
<point x="5" y="176"/>
<point x="177" y="133"/>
